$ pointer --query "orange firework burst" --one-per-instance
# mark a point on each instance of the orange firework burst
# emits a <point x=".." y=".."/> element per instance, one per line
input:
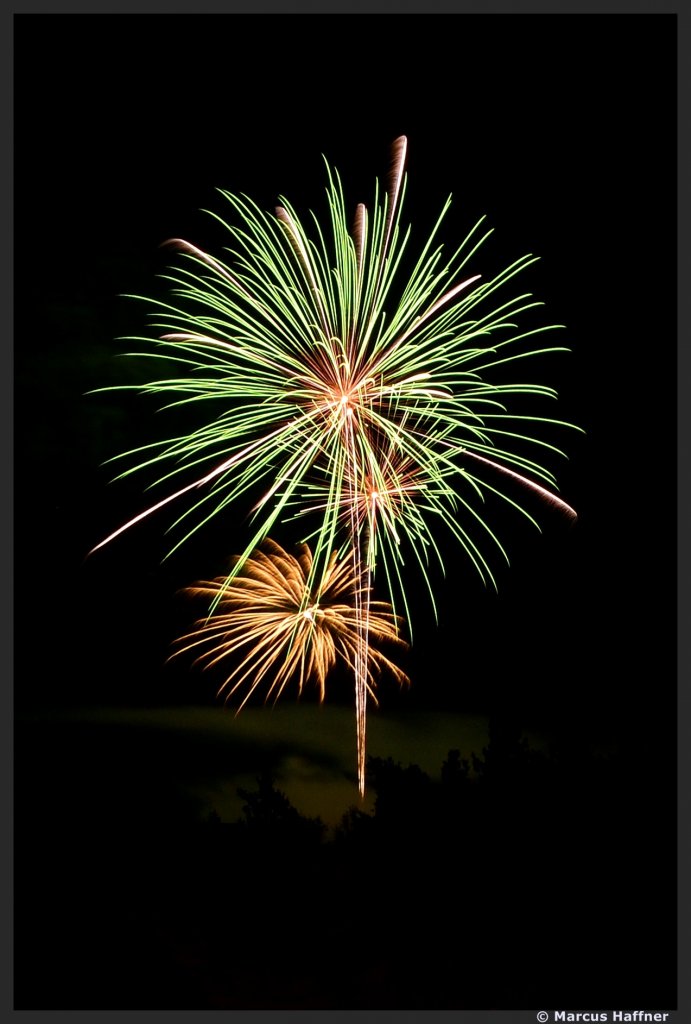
<point x="272" y="626"/>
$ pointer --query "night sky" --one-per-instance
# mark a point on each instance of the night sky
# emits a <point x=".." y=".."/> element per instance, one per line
<point x="561" y="130"/>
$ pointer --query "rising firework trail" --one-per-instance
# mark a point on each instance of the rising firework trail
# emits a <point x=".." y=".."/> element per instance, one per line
<point x="373" y="406"/>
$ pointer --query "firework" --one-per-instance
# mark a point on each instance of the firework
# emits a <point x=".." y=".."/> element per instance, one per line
<point x="366" y="402"/>
<point x="272" y="626"/>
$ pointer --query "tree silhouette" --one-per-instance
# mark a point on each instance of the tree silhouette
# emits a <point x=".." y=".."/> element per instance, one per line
<point x="269" y="817"/>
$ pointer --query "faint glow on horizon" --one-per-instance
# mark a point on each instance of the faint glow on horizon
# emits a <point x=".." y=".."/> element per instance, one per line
<point x="306" y="746"/>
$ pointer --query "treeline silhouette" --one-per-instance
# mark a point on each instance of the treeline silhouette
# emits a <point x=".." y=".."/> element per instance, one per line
<point x="519" y="879"/>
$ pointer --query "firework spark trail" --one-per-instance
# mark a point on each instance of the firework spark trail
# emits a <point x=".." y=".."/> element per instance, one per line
<point x="361" y="620"/>
<point x="342" y="401"/>
<point x="241" y="456"/>
<point x="364" y="632"/>
<point x="542" y="492"/>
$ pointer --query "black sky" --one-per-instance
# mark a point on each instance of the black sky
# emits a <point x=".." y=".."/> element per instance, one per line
<point x="561" y="129"/>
